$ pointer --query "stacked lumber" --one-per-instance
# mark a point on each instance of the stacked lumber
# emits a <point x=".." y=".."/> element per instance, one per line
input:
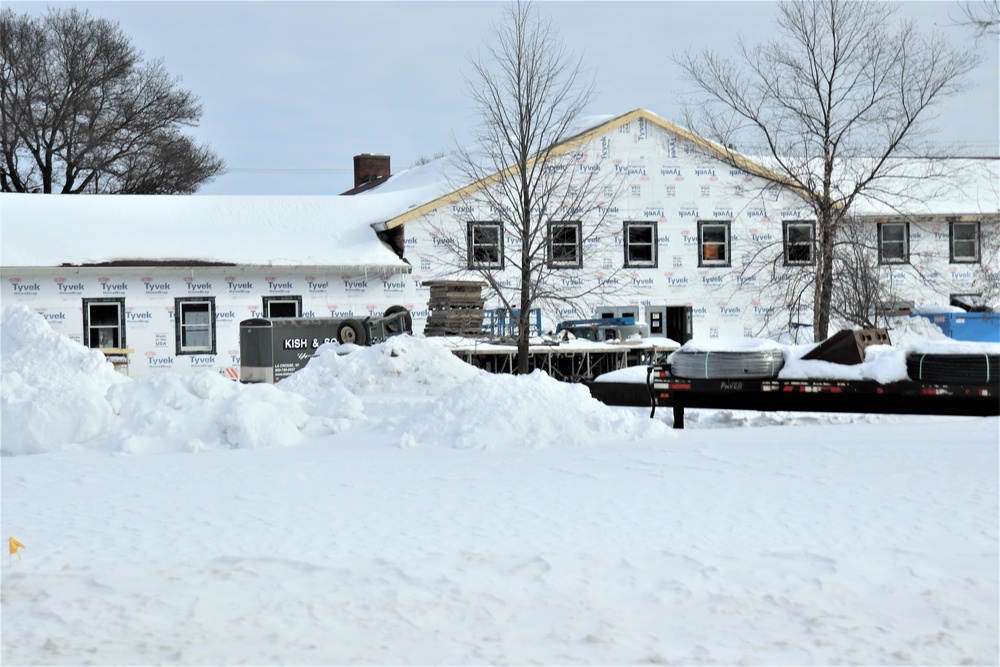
<point x="456" y="308"/>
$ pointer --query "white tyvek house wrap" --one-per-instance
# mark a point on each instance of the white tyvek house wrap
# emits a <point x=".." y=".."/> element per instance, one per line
<point x="150" y="295"/>
<point x="654" y="176"/>
<point x="662" y="176"/>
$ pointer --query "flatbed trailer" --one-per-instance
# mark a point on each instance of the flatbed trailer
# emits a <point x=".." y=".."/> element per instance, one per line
<point x="859" y="396"/>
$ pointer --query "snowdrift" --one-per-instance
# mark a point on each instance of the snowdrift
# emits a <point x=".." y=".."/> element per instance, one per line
<point x="61" y="396"/>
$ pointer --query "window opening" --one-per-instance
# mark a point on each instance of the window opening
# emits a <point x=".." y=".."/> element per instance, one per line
<point x="799" y="242"/>
<point x="713" y="240"/>
<point x="893" y="243"/>
<point x="964" y="238"/>
<point x="565" y="245"/>
<point x="104" y="323"/>
<point x="282" y="306"/>
<point x="485" y="245"/>
<point x="195" y="325"/>
<point x="640" y="244"/>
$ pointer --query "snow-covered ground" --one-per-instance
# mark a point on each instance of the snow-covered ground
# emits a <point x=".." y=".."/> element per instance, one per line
<point x="392" y="505"/>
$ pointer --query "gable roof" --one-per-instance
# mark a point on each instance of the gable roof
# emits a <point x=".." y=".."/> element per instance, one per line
<point x="38" y="230"/>
<point x="592" y="129"/>
<point x="968" y="186"/>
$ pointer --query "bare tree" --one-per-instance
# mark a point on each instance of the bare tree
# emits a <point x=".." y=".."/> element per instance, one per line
<point x="529" y="94"/>
<point x="81" y="113"/>
<point x="984" y="16"/>
<point x="830" y="102"/>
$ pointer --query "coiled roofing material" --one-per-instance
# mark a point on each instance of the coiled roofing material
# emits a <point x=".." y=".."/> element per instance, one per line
<point x="970" y="368"/>
<point x="725" y="365"/>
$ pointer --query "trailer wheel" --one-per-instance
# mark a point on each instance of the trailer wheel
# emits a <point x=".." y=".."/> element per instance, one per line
<point x="351" y="332"/>
<point x="407" y="321"/>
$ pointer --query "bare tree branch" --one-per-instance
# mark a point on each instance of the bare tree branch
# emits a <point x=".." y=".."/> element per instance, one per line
<point x="80" y="110"/>
<point x="830" y="104"/>
<point x="529" y="93"/>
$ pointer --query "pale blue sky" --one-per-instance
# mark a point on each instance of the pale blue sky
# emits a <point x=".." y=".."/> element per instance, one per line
<point x="292" y="90"/>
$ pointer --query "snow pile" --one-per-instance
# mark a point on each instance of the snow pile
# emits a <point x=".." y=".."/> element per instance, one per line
<point x="479" y="414"/>
<point x="432" y="396"/>
<point x="59" y="395"/>
<point x="173" y="412"/>
<point x="402" y="364"/>
<point x="882" y="363"/>
<point x="52" y="388"/>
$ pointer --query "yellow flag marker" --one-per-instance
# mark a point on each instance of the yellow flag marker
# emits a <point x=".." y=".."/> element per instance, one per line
<point x="15" y="548"/>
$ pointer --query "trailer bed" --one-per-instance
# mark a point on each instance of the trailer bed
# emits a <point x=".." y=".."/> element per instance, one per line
<point x="791" y="395"/>
<point x="859" y="396"/>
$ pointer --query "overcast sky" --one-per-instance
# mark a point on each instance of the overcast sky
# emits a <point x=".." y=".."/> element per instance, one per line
<point x="291" y="91"/>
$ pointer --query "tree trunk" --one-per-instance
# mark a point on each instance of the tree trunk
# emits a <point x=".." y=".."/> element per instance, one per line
<point x="524" y="315"/>
<point x="824" y="277"/>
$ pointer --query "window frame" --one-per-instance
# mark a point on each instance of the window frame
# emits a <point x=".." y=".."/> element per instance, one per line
<point x="471" y="228"/>
<point x="882" y="259"/>
<point x="577" y="261"/>
<point x="654" y="259"/>
<point x="787" y="246"/>
<point x="727" y="225"/>
<point x="180" y="304"/>
<point x="268" y="300"/>
<point x="87" y="303"/>
<point x="953" y="258"/>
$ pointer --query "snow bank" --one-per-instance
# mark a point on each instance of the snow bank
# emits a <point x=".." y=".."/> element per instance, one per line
<point x="173" y="412"/>
<point x="532" y="411"/>
<point x="52" y="389"/>
<point x="59" y="395"/>
<point x="402" y="364"/>
<point x="427" y="394"/>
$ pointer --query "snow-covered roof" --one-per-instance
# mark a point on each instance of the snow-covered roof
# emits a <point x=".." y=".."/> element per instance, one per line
<point x="929" y="187"/>
<point x="51" y="230"/>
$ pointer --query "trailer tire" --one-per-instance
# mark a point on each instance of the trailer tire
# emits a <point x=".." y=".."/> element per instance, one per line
<point x="407" y="321"/>
<point x="351" y="332"/>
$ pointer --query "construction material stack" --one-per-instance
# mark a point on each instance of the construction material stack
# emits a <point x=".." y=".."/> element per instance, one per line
<point x="456" y="308"/>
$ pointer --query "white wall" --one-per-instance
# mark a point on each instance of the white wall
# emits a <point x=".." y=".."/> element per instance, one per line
<point x="149" y="293"/>
<point x="664" y="178"/>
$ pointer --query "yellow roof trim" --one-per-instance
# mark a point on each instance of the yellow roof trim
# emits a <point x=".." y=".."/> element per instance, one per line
<point x="574" y="141"/>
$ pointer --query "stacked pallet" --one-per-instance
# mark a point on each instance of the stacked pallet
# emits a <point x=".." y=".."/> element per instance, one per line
<point x="456" y="308"/>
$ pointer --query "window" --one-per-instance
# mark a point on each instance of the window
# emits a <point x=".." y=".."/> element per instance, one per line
<point x="485" y="245"/>
<point x="713" y="243"/>
<point x="963" y="238"/>
<point x="640" y="244"/>
<point x="282" y="306"/>
<point x="893" y="243"/>
<point x="798" y="242"/>
<point x="565" y="246"/>
<point x="194" y="325"/>
<point x="104" y="323"/>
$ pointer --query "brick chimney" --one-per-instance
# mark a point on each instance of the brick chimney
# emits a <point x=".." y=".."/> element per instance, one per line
<point x="370" y="168"/>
